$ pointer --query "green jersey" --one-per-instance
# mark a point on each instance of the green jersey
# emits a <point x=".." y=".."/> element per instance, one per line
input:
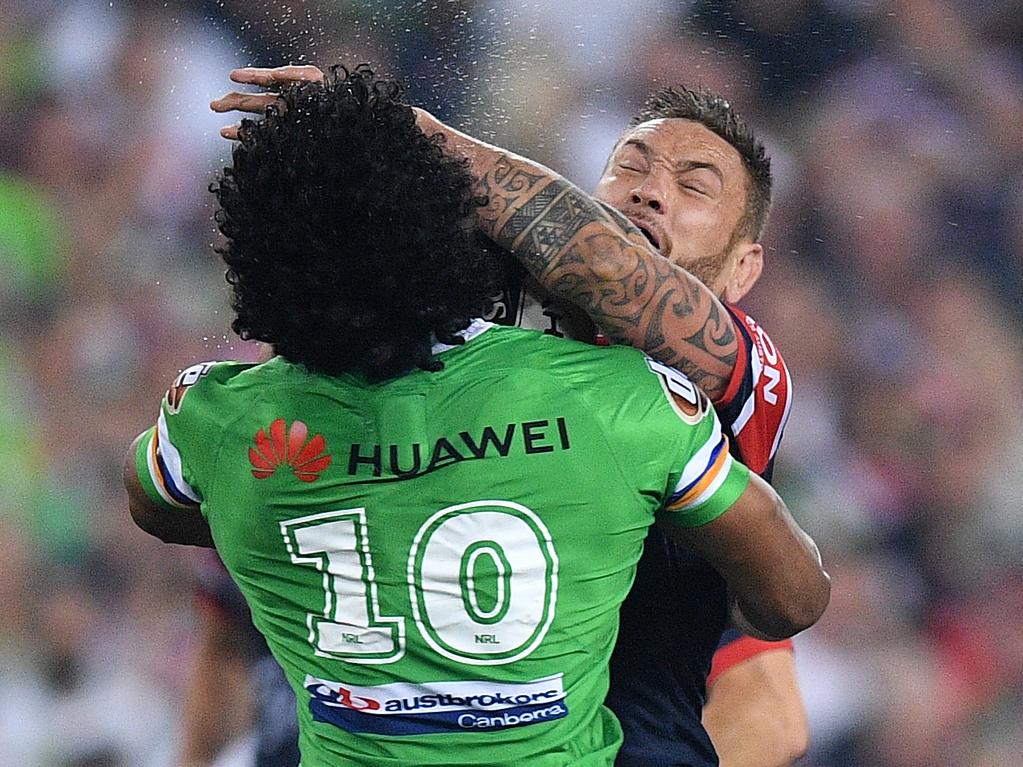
<point x="437" y="561"/>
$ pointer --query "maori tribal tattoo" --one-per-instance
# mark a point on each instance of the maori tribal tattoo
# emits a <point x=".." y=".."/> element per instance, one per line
<point x="593" y="256"/>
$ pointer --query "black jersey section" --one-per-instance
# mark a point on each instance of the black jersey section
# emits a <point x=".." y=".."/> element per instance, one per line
<point x="671" y="623"/>
<point x="507" y="302"/>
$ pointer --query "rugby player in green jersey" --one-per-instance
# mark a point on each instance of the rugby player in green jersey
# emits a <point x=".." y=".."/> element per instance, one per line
<point x="433" y="520"/>
<point x="695" y="178"/>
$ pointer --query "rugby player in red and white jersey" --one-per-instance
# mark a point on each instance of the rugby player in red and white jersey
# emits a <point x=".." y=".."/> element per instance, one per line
<point x="674" y="175"/>
<point x="685" y="197"/>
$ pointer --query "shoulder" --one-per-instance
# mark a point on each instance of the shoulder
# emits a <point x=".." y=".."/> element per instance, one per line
<point x="755" y="405"/>
<point x="609" y="374"/>
<point x="193" y="414"/>
<point x="201" y="384"/>
<point x="201" y="402"/>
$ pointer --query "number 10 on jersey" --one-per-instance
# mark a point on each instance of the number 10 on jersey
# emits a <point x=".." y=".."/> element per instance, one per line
<point x="482" y="583"/>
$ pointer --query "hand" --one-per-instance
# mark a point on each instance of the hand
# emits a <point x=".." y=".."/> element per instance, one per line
<point x="256" y="103"/>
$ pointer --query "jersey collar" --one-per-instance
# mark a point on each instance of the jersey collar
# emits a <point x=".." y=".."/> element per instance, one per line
<point x="475" y="328"/>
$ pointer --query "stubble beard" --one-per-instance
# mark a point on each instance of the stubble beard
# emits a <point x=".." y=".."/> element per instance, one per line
<point x="708" y="268"/>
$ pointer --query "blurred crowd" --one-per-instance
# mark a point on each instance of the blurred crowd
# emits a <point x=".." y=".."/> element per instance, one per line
<point x="892" y="286"/>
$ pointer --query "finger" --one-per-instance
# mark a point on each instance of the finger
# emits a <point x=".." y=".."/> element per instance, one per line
<point x="265" y="76"/>
<point x="230" y="132"/>
<point x="243" y="102"/>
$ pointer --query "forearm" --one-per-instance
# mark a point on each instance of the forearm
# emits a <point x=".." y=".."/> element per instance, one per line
<point x="204" y="731"/>
<point x="772" y="568"/>
<point x="754" y="713"/>
<point x="753" y="741"/>
<point x="595" y="258"/>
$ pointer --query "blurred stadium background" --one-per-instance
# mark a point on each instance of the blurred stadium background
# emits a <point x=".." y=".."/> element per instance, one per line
<point x="893" y="287"/>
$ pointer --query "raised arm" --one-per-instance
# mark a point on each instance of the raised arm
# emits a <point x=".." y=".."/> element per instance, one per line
<point x="574" y="246"/>
<point x="594" y="257"/>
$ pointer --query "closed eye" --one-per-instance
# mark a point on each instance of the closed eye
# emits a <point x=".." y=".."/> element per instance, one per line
<point x="701" y="179"/>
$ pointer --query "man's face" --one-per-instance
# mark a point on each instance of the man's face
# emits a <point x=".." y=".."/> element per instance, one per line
<point x="685" y="187"/>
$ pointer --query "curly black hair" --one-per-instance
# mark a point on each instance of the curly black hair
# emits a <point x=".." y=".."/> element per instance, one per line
<point x="351" y="240"/>
<point x="715" y="113"/>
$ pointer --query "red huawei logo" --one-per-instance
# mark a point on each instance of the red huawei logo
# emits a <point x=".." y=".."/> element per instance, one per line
<point x="289" y="447"/>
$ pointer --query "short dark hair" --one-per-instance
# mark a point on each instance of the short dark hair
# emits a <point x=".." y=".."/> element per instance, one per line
<point x="350" y="234"/>
<point x="716" y="114"/>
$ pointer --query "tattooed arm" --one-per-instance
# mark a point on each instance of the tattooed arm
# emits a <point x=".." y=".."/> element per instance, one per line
<point x="575" y="247"/>
<point x="591" y="255"/>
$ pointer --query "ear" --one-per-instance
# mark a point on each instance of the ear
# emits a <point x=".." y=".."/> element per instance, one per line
<point x="749" y="262"/>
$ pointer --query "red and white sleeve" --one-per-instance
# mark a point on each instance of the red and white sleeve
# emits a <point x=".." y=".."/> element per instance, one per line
<point x="755" y="405"/>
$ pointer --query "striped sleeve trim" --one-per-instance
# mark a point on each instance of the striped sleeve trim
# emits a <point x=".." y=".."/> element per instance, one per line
<point x="147" y="473"/>
<point x="712" y="491"/>
<point x="704" y="473"/>
<point x="161" y="479"/>
<point x="170" y="466"/>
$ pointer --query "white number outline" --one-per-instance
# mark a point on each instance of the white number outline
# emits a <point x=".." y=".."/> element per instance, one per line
<point x="320" y="561"/>
<point x="469" y="596"/>
<point x="423" y="625"/>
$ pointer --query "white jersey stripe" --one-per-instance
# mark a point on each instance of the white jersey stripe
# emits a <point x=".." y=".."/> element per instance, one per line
<point x="745" y="414"/>
<point x="788" y="407"/>
<point x="700" y="462"/>
<point x="156" y="474"/>
<point x="750" y="404"/>
<point x="712" y="488"/>
<point x="172" y="460"/>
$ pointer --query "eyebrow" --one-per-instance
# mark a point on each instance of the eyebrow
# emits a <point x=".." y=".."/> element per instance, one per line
<point x="683" y="166"/>
<point x="687" y="165"/>
<point x="640" y="145"/>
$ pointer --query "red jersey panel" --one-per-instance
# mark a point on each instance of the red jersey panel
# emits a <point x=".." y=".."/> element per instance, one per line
<point x="756" y="403"/>
<point x="736" y="648"/>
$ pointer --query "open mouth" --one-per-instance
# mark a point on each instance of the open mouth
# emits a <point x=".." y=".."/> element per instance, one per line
<point x="650" y="237"/>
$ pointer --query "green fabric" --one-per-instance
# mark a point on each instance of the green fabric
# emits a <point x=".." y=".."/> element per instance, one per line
<point x="459" y="559"/>
<point x="734" y="484"/>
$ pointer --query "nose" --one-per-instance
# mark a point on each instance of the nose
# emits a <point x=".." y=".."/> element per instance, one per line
<point x="648" y="195"/>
